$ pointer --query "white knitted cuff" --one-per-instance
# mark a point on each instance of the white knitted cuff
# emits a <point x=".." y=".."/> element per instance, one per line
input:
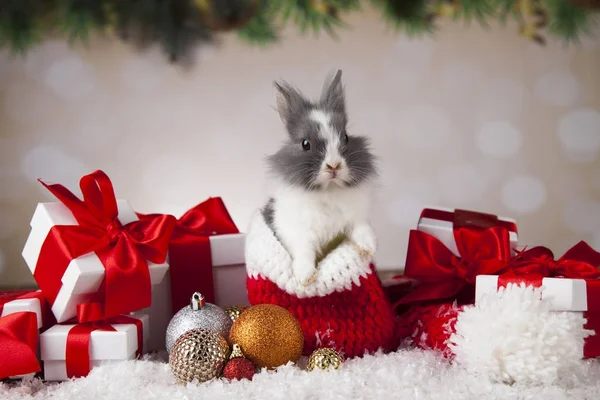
<point x="267" y="258"/>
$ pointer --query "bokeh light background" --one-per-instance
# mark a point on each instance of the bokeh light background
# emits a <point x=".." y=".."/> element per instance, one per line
<point x="478" y="119"/>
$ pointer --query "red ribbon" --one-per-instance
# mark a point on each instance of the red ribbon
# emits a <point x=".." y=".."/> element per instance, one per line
<point x="190" y="260"/>
<point x="579" y="262"/>
<point x="122" y="249"/>
<point x="48" y="319"/>
<point x="18" y="344"/>
<point x="442" y="275"/>
<point x="469" y="219"/>
<point x="77" y="358"/>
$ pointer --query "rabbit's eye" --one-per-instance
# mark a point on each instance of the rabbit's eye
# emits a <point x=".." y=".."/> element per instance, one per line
<point x="305" y="145"/>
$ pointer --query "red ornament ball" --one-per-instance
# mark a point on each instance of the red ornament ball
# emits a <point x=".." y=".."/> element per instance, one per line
<point x="239" y="368"/>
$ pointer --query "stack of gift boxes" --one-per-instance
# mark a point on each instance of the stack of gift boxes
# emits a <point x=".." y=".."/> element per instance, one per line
<point x="110" y="279"/>
<point x="455" y="257"/>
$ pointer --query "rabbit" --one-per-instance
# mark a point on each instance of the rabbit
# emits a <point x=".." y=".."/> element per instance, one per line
<point x="322" y="178"/>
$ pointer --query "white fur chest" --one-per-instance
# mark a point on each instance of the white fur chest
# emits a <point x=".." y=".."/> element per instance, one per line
<point x="318" y="216"/>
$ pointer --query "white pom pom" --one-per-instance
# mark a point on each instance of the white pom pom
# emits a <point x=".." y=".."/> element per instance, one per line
<point x="513" y="336"/>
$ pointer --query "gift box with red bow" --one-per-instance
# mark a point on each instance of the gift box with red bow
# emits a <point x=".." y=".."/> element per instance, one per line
<point x="73" y="350"/>
<point x="14" y="301"/>
<point x="206" y="254"/>
<point x="23" y="314"/>
<point x="571" y="283"/>
<point x="441" y="223"/>
<point x="444" y="257"/>
<point x="94" y="258"/>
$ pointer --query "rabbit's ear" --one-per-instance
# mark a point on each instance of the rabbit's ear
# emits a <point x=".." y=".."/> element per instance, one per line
<point x="332" y="96"/>
<point x="289" y="101"/>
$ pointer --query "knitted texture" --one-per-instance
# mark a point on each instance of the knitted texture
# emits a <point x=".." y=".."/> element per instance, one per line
<point x="353" y="322"/>
<point x="345" y="309"/>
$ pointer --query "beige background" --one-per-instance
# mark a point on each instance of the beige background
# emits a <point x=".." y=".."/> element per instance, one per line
<point x="474" y="119"/>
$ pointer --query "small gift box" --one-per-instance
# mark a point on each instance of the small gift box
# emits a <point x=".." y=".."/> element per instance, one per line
<point x="71" y="351"/>
<point x="19" y="338"/>
<point x="206" y="254"/>
<point x="571" y="283"/>
<point x="443" y="222"/>
<point x="14" y="301"/>
<point x="94" y="258"/>
<point x="449" y="249"/>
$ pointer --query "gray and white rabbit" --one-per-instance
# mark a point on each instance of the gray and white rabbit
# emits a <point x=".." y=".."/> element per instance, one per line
<point x="322" y="178"/>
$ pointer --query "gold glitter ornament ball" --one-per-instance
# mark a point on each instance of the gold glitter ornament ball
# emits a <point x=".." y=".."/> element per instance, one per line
<point x="269" y="335"/>
<point x="198" y="354"/>
<point x="234" y="312"/>
<point x="324" y="359"/>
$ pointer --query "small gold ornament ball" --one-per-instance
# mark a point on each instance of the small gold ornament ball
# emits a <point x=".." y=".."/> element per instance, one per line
<point x="324" y="359"/>
<point x="198" y="354"/>
<point x="269" y="335"/>
<point x="235" y="311"/>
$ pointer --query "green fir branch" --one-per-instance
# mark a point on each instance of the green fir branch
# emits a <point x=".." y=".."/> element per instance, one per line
<point x="568" y="21"/>
<point x="412" y="17"/>
<point x="20" y="24"/>
<point x="76" y="19"/>
<point x="262" y="29"/>
<point x="479" y="10"/>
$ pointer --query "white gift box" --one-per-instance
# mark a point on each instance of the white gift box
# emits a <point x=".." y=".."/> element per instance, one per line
<point x="105" y="346"/>
<point x="84" y="274"/>
<point x="562" y="294"/>
<point x="20" y="305"/>
<point x="229" y="277"/>
<point x="442" y="228"/>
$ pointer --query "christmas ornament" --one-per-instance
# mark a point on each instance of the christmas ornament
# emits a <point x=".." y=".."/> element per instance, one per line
<point x="198" y="315"/>
<point x="234" y="312"/>
<point x="198" y="354"/>
<point x="269" y="335"/>
<point x="238" y="367"/>
<point x="324" y="358"/>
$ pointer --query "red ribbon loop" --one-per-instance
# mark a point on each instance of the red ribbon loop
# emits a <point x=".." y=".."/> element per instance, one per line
<point x="190" y="260"/>
<point x="441" y="275"/>
<point x="123" y="249"/>
<point x="77" y="358"/>
<point x="579" y="262"/>
<point x="18" y="344"/>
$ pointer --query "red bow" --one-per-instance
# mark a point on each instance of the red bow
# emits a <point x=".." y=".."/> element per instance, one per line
<point x="18" y="344"/>
<point x="190" y="261"/>
<point x="579" y="262"/>
<point x="47" y="317"/>
<point x="441" y="274"/>
<point x="122" y="249"/>
<point x="77" y="358"/>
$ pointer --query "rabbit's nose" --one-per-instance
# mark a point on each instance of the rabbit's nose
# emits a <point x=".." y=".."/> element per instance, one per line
<point x="334" y="167"/>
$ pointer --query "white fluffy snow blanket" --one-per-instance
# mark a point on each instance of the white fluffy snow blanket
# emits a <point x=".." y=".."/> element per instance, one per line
<point x="509" y="346"/>
<point x="404" y="375"/>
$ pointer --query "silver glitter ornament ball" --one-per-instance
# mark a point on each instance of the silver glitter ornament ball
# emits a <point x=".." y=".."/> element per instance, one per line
<point x="198" y="354"/>
<point x="198" y="314"/>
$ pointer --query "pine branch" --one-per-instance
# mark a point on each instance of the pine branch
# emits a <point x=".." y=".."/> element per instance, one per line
<point x="568" y="21"/>
<point x="20" y="22"/>
<point x="480" y="10"/>
<point x="412" y="17"/>
<point x="76" y="19"/>
<point x="262" y="29"/>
